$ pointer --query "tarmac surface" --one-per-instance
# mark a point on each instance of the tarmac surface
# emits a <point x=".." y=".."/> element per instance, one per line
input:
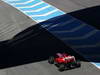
<point x="14" y="22"/>
<point x="73" y="5"/>
<point x="43" y="68"/>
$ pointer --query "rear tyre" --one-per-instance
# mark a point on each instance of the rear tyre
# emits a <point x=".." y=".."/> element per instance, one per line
<point x="51" y="60"/>
<point x="61" y="67"/>
<point x="77" y="64"/>
<point x="68" y="66"/>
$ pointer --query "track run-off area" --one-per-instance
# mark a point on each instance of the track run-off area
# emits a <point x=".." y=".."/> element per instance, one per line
<point x="40" y="11"/>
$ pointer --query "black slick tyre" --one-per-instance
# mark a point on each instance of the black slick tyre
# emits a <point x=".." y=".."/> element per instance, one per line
<point x="51" y="60"/>
<point x="61" y="67"/>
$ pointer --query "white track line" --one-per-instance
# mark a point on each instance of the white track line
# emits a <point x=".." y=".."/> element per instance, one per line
<point x="82" y="37"/>
<point x="32" y="5"/>
<point x="24" y="2"/>
<point x="87" y="46"/>
<point x="45" y="14"/>
<point x="11" y="0"/>
<point x="41" y="20"/>
<point x="72" y="30"/>
<point x="37" y="10"/>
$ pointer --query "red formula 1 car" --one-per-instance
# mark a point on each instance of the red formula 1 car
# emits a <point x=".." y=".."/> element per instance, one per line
<point x="64" y="61"/>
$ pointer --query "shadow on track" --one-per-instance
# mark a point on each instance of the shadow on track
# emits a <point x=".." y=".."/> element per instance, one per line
<point x="32" y="45"/>
<point x="90" y="16"/>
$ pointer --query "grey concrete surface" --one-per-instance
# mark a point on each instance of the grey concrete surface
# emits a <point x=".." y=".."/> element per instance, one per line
<point x="44" y="68"/>
<point x="12" y="21"/>
<point x="73" y="5"/>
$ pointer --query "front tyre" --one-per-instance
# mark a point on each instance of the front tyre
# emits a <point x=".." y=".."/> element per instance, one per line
<point x="51" y="60"/>
<point x="61" y="67"/>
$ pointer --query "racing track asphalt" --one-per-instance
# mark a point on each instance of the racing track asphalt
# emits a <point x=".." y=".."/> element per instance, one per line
<point x="12" y="21"/>
<point x="43" y="68"/>
<point x="73" y="5"/>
